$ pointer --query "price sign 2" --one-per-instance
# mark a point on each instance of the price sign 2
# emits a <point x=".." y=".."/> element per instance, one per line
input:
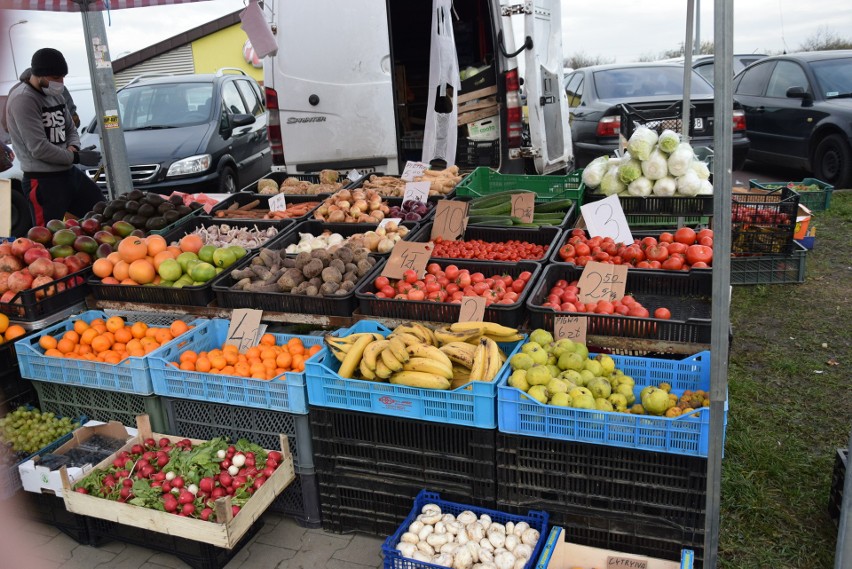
<point x="416" y="191"/>
<point x="605" y="218"/>
<point x="602" y="281"/>
<point x="472" y="309"/>
<point x="450" y="220"/>
<point x="570" y="327"/>
<point x="523" y="206"/>
<point x="244" y="328"/>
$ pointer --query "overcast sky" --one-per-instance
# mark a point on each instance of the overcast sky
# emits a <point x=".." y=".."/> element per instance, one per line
<point x="622" y="33"/>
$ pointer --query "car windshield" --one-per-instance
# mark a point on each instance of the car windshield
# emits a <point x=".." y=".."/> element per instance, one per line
<point x="169" y="105"/>
<point x="629" y="82"/>
<point x="834" y="77"/>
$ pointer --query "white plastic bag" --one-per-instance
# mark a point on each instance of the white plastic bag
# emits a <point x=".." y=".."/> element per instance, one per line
<point x="440" y="135"/>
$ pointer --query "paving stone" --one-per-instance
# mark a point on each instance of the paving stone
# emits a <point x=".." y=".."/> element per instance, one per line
<point x="262" y="556"/>
<point x="85" y="557"/>
<point x="315" y="551"/>
<point x="285" y="534"/>
<point x="167" y="560"/>
<point x="363" y="550"/>
<point x="39" y="528"/>
<point x="58" y="549"/>
<point x="339" y="564"/>
<point x="149" y="565"/>
<point x="130" y="557"/>
<point x="116" y="547"/>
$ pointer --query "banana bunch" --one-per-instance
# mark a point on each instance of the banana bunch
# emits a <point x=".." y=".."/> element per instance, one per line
<point x="472" y="332"/>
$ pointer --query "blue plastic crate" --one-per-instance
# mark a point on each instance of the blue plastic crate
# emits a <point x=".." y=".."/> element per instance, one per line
<point x="10" y="482"/>
<point x="283" y="393"/>
<point x="558" y="553"/>
<point x="522" y="415"/>
<point x="131" y="375"/>
<point x="472" y="404"/>
<point x="394" y="560"/>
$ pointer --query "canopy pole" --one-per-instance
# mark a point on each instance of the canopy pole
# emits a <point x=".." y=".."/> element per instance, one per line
<point x="106" y="102"/>
<point x="687" y="69"/>
<point x="723" y="36"/>
<point x="843" y="550"/>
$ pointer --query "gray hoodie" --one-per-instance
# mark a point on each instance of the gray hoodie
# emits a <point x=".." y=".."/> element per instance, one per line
<point x="41" y="129"/>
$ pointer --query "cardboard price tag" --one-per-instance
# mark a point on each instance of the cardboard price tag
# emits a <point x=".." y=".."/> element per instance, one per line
<point x="602" y="281"/>
<point x="472" y="309"/>
<point x="278" y="202"/>
<point x="450" y="220"/>
<point x="416" y="191"/>
<point x="614" y="562"/>
<point x="353" y="175"/>
<point x="605" y="218"/>
<point x="245" y="328"/>
<point x="413" y="170"/>
<point x="523" y="206"/>
<point x="407" y="255"/>
<point x="571" y="327"/>
<point x="387" y="220"/>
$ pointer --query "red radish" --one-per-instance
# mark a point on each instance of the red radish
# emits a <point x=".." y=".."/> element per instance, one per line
<point x="268" y="471"/>
<point x="259" y="482"/>
<point x="159" y="477"/>
<point x="185" y="497"/>
<point x="276" y="456"/>
<point x="206" y="513"/>
<point x="119" y="462"/>
<point x="149" y="455"/>
<point x="109" y="481"/>
<point x="167" y="487"/>
<point x="206" y="484"/>
<point x="240" y="481"/>
<point x="225" y="464"/>
<point x="125" y="493"/>
<point x="162" y="461"/>
<point x="156" y="484"/>
<point x="235" y="510"/>
<point x="137" y="449"/>
<point x="150" y="442"/>
<point x="164" y="442"/>
<point x="170" y="503"/>
<point x="177" y="482"/>
<point x="188" y="509"/>
<point x="218" y="492"/>
<point x="82" y="491"/>
<point x="127" y="482"/>
<point x="225" y="479"/>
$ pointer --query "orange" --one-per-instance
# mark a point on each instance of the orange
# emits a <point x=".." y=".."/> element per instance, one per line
<point x="267" y="340"/>
<point x="187" y="366"/>
<point x="174" y="250"/>
<point x="267" y="354"/>
<point x="130" y="282"/>
<point x="149" y="333"/>
<point x="114" y="323"/>
<point x="83" y="349"/>
<point x="47" y="342"/>
<point x="202" y="365"/>
<point x="71" y="335"/>
<point x="119" y="347"/>
<point x="269" y="364"/>
<point x="123" y="335"/>
<point x="156" y="244"/>
<point x="242" y="369"/>
<point x="53" y="353"/>
<point x="231" y="357"/>
<point x="138" y="329"/>
<point x="110" y="281"/>
<point x="72" y="355"/>
<point x="259" y="375"/>
<point x="163" y="336"/>
<point x="314" y="349"/>
<point x="191" y="244"/>
<point x="112" y="358"/>
<point x="87" y="336"/>
<point x="253" y="352"/>
<point x="151" y="347"/>
<point x="189" y="356"/>
<point x="218" y="362"/>
<point x="102" y="268"/>
<point x="114" y="257"/>
<point x="14" y="331"/>
<point x="160" y="257"/>
<point x="178" y="327"/>
<point x="109" y="336"/>
<point x="295" y="346"/>
<point x="134" y="344"/>
<point x="65" y="346"/>
<point x="80" y="326"/>
<point x="121" y="270"/>
<point x="298" y="363"/>
<point x="99" y="326"/>
<point x="132" y="249"/>
<point x="142" y="271"/>
<point x="100" y="343"/>
<point x="136" y="352"/>
<point x="228" y="370"/>
<point x="284" y="360"/>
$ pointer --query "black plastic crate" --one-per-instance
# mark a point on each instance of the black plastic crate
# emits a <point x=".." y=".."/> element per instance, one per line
<point x="279" y="178"/>
<point x="549" y="474"/>
<point x="196" y="554"/>
<point x="764" y="223"/>
<point x="244" y="198"/>
<point x="471" y="154"/>
<point x="24" y="306"/>
<point x="770" y="269"/>
<point x="365" y="178"/>
<point x="654" y="117"/>
<point x="659" y="205"/>
<point x="838" y="478"/>
<point x="547" y="235"/>
<point x="506" y="314"/>
<point x="300" y="501"/>
<point x="687" y="294"/>
<point x="15" y="390"/>
<point x="50" y="510"/>
<point x="442" y="457"/>
<point x="316" y="228"/>
<point x="283" y="226"/>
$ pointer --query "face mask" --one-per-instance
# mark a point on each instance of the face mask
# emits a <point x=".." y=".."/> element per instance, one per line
<point x="54" y="88"/>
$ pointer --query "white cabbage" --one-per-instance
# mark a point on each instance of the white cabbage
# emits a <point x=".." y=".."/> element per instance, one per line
<point x="640" y="187"/>
<point x="629" y="171"/>
<point x="594" y="172"/>
<point x="680" y="160"/>
<point x="665" y="187"/>
<point x="689" y="184"/>
<point x="701" y="170"/>
<point x="655" y="166"/>
<point x="610" y="184"/>
<point x="706" y="188"/>
<point x="668" y="141"/>
<point x="642" y="142"/>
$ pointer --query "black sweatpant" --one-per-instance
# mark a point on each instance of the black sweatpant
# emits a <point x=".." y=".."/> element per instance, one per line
<point x="52" y="194"/>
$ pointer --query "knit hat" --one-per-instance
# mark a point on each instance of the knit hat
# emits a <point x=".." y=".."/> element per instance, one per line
<point x="48" y="62"/>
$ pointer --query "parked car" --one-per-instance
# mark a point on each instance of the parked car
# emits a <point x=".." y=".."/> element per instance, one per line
<point x="799" y="112"/>
<point x="703" y="64"/>
<point x="595" y="94"/>
<point x="191" y="133"/>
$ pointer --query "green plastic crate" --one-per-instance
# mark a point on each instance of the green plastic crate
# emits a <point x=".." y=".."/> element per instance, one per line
<point x="770" y="269"/>
<point x="815" y="200"/>
<point x="665" y="221"/>
<point x="101" y="405"/>
<point x="485" y="181"/>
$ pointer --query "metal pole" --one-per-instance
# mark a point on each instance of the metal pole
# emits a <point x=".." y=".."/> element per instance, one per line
<point x="843" y="551"/>
<point x="12" y="46"/>
<point x="697" y="49"/>
<point x="106" y="103"/>
<point x="723" y="34"/>
<point x="687" y="69"/>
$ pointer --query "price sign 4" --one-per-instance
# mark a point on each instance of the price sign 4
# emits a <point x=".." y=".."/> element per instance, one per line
<point x="244" y="328"/>
<point x="413" y="170"/>
<point x="472" y="309"/>
<point x="570" y="327"/>
<point x="416" y="191"/>
<point x="523" y="206"/>
<point x="406" y="256"/>
<point x="602" y="281"/>
<point x="278" y="202"/>
<point x="605" y="218"/>
<point x="450" y="220"/>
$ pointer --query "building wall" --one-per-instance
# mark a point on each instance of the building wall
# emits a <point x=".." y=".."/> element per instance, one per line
<point x="176" y="62"/>
<point x="223" y="49"/>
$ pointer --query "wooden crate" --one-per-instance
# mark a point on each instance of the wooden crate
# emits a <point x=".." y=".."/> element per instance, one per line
<point x="477" y="105"/>
<point x="226" y="534"/>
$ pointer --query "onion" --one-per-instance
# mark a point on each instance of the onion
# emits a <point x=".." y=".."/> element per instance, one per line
<point x="355" y="212"/>
<point x="361" y="205"/>
<point x="343" y="195"/>
<point x="344" y="205"/>
<point x="385" y="245"/>
<point x="336" y="217"/>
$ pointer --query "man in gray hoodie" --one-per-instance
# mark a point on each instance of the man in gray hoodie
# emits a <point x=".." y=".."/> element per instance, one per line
<point x="47" y="144"/>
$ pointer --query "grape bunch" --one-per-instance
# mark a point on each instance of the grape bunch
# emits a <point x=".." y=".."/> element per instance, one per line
<point x="27" y="430"/>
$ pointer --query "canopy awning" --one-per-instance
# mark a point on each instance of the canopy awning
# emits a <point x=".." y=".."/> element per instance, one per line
<point x="93" y="6"/>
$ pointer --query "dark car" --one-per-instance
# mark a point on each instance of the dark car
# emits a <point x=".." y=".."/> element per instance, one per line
<point x="595" y="96"/>
<point x="703" y="64"/>
<point x="192" y="133"/>
<point x="799" y="112"/>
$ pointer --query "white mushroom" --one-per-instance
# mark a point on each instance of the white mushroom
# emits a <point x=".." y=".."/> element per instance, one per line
<point x="485" y="520"/>
<point x="462" y="538"/>
<point x="484" y="543"/>
<point x="486" y="556"/>
<point x="504" y="560"/>
<point x="453" y="527"/>
<point x="511" y="542"/>
<point x="474" y="549"/>
<point x="406" y="549"/>
<point x="530" y="536"/>
<point x="447" y="518"/>
<point x="429" y="508"/>
<point x="440" y="528"/>
<point x="437" y="539"/>
<point x="420" y="556"/>
<point x="410" y="537"/>
<point x="426" y="548"/>
<point x="520" y="563"/>
<point x="523" y="551"/>
<point x="415" y="526"/>
<point x="520" y="528"/>
<point x="466" y="517"/>
<point x="463" y="559"/>
<point x="430" y="517"/>
<point x="510" y="528"/>
<point x="496" y="527"/>
<point x="497" y="539"/>
<point x="449" y="547"/>
<point x="444" y="560"/>
<point x="425" y="532"/>
<point x="475" y="531"/>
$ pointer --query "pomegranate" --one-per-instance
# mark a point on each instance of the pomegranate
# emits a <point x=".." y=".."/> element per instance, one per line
<point x="37" y="252"/>
<point x="4" y="282"/>
<point x="21" y="245"/>
<point x="10" y="263"/>
<point x="41" y="267"/>
<point x="20" y="280"/>
<point x="59" y="270"/>
<point x="41" y="281"/>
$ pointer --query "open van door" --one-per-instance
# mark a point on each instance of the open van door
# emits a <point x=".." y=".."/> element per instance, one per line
<point x="333" y="79"/>
<point x="550" y="132"/>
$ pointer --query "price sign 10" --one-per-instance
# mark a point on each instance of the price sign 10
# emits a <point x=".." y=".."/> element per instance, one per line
<point x="450" y="220"/>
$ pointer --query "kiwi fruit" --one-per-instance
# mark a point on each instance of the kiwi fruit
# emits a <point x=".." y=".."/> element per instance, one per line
<point x="184" y="210"/>
<point x="137" y="221"/>
<point x="119" y="214"/>
<point x="171" y="216"/>
<point x="164" y="207"/>
<point x="135" y="195"/>
<point x="154" y="199"/>
<point x="147" y="210"/>
<point x="99" y="207"/>
<point x="176" y="200"/>
<point x="132" y="206"/>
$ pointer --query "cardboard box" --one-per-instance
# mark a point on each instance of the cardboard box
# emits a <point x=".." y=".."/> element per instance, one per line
<point x="559" y="554"/>
<point x="803" y="220"/>
<point x="485" y="129"/>
<point x="39" y="479"/>
<point x="483" y="79"/>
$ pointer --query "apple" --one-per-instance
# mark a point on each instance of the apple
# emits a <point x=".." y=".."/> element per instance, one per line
<point x="21" y="245"/>
<point x="34" y="253"/>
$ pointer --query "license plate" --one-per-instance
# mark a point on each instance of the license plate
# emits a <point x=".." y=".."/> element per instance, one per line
<point x="699" y="123"/>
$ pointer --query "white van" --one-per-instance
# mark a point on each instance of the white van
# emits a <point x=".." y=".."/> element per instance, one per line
<point x="348" y="86"/>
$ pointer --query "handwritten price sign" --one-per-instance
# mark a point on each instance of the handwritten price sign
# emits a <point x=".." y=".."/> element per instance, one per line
<point x="278" y="202"/>
<point x="472" y="309"/>
<point x="413" y="170"/>
<point x="523" y="206"/>
<point x="613" y="562"/>
<point x="605" y="218"/>
<point x="570" y="327"/>
<point x="407" y="256"/>
<point x="602" y="281"/>
<point x="245" y="328"/>
<point x="416" y="191"/>
<point x="450" y="220"/>
<point x="354" y="175"/>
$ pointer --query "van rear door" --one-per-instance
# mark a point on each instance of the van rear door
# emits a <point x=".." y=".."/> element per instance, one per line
<point x="550" y="132"/>
<point x="333" y="78"/>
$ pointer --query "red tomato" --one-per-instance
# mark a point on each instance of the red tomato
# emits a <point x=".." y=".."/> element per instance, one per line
<point x="579" y="307"/>
<point x="666" y="237"/>
<point x="566" y="251"/>
<point x="656" y="264"/>
<point x="699" y="254"/>
<point x="633" y="254"/>
<point x="436" y="296"/>
<point x="643" y="265"/>
<point x="561" y="283"/>
<point x="410" y="276"/>
<point x="463" y="280"/>
<point x="381" y="282"/>
<point x="557" y="291"/>
<point x="602" y="257"/>
<point x="581" y="249"/>
<point x="432" y="287"/>
<point x="569" y="296"/>
<point x="443" y="281"/>
<point x="648" y="242"/>
<point x="388" y="291"/>
<point x="604" y="307"/>
<point x="595" y="241"/>
<point x="380" y="295"/>
<point x="700" y="265"/>
<point x="452" y="272"/>
<point x="403" y="287"/>
<point x="628" y="301"/>
<point x="708" y="241"/>
<point x="433" y="268"/>
<point x="685" y="235"/>
<point x="663" y="313"/>
<point x="622" y="309"/>
<point x="518" y="286"/>
<point x="477" y="278"/>
<point x="582" y="261"/>
<point x="578" y="232"/>
<point x="480" y="288"/>
<point x="638" y="311"/>
<point x="705" y="233"/>
<point x="512" y="296"/>
<point x="674" y="263"/>
<point x="677" y="248"/>
<point x="657" y="253"/>
<point x="451" y="288"/>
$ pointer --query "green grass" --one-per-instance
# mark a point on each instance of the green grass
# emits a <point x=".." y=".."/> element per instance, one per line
<point x="786" y="420"/>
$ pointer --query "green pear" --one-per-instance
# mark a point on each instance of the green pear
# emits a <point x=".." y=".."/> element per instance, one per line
<point x="518" y="379"/>
<point x="586" y="376"/>
<point x="538" y="375"/>
<point x="618" y="402"/>
<point x="541" y="337"/>
<point x="521" y="361"/>
<point x="600" y="388"/>
<point x="560" y="400"/>
<point x="563" y="346"/>
<point x="594" y="366"/>
<point x="551" y="359"/>
<point x="626" y="380"/>
<point x="557" y="386"/>
<point x="582" y="350"/>
<point x="626" y="391"/>
<point x="655" y="401"/>
<point x="571" y="360"/>
<point x="607" y="362"/>
<point x="536" y="352"/>
<point x="554" y="371"/>
<point x="602" y="404"/>
<point x="570" y="375"/>
<point x="580" y="392"/>
<point x="539" y="393"/>
<point x="583" y="402"/>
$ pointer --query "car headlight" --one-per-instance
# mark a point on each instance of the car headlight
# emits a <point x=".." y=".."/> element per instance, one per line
<point x="191" y="165"/>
